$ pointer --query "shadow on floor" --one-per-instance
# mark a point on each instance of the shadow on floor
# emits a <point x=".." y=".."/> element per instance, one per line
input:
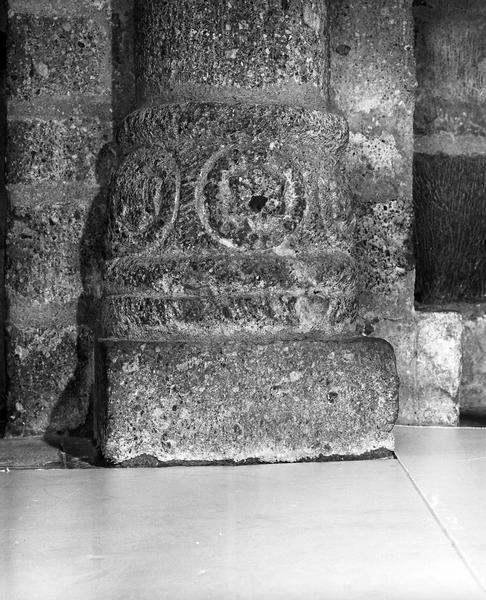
<point x="476" y="418"/>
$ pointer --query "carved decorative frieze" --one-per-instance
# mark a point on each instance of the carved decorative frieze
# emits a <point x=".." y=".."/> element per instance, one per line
<point x="202" y="183"/>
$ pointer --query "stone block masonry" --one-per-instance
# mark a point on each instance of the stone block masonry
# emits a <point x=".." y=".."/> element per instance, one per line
<point x="3" y="212"/>
<point x="60" y="123"/>
<point x="373" y="85"/>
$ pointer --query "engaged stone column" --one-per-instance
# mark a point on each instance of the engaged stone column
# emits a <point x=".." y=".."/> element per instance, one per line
<point x="230" y="239"/>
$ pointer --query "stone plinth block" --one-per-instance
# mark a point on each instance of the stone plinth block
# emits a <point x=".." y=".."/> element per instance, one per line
<point x="251" y="399"/>
<point x="439" y="365"/>
<point x="195" y="46"/>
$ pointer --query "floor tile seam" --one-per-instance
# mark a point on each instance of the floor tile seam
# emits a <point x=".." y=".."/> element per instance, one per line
<point x="450" y="538"/>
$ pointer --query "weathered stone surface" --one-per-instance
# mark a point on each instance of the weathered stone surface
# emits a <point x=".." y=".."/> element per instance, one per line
<point x="248" y="177"/>
<point x="58" y="162"/>
<point x="50" y="374"/>
<point x="3" y="219"/>
<point x="273" y="50"/>
<point x="402" y="335"/>
<point x="450" y="228"/>
<point x="473" y="383"/>
<point x="54" y="245"/>
<point x="439" y="364"/>
<point x="122" y="58"/>
<point x="229" y="218"/>
<point x="223" y="293"/>
<point x="61" y="150"/>
<point x="435" y="351"/>
<point x="191" y="123"/>
<point x="208" y="273"/>
<point x="62" y="7"/>
<point x="451" y="68"/>
<point x="147" y="317"/>
<point x="265" y="400"/>
<point x="372" y="83"/>
<point x="48" y="55"/>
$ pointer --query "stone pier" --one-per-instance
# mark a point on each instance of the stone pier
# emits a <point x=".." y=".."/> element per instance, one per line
<point x="230" y="290"/>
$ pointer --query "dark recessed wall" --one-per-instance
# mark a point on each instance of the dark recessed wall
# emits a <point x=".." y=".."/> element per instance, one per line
<point x="450" y="151"/>
<point x="450" y="228"/>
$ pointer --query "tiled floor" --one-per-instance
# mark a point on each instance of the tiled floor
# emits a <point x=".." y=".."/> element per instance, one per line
<point x="413" y="528"/>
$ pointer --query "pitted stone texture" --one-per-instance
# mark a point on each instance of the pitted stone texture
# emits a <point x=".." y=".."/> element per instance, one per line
<point x="246" y="178"/>
<point x="53" y="248"/>
<point x="60" y="150"/>
<point x="372" y="82"/>
<point x="50" y="374"/>
<point x="473" y="383"/>
<point x="49" y="55"/>
<point x="439" y="365"/>
<point x="264" y="400"/>
<point x="197" y="47"/>
<point x="58" y="8"/>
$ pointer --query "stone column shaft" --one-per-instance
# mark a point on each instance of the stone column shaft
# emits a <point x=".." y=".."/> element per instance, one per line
<point x="230" y="249"/>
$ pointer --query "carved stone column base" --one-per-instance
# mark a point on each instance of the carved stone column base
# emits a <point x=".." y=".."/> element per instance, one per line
<point x="248" y="399"/>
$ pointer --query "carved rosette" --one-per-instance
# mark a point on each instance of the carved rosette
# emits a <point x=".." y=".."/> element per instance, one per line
<point x="229" y="218"/>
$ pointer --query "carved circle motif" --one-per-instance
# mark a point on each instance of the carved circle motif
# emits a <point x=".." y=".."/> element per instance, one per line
<point x="145" y="198"/>
<point x="250" y="197"/>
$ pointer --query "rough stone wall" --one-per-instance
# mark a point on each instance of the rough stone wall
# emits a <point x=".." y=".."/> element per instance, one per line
<point x="373" y="84"/>
<point x="450" y="197"/>
<point x="3" y="212"/>
<point x="68" y="75"/>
